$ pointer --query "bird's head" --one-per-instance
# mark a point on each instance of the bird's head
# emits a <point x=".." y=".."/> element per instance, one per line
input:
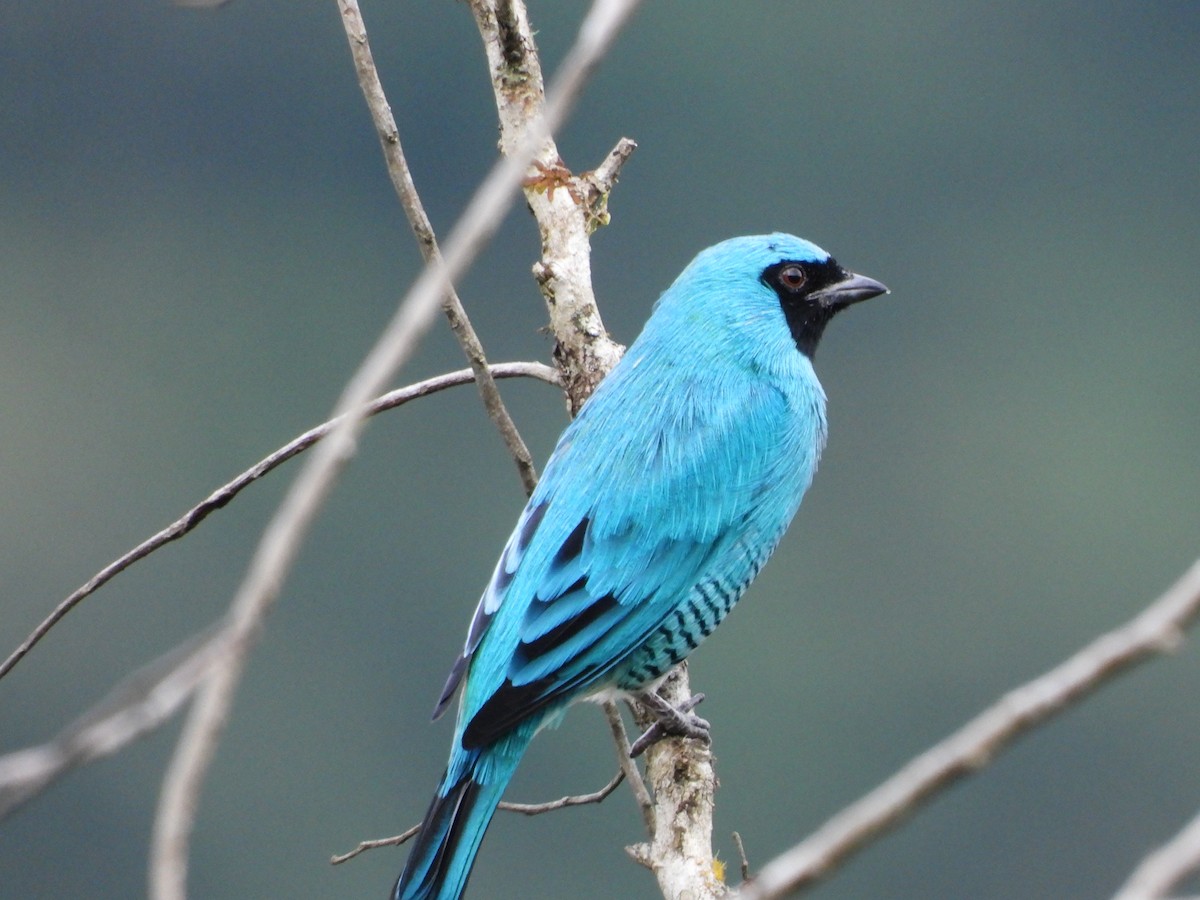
<point x="746" y="282"/>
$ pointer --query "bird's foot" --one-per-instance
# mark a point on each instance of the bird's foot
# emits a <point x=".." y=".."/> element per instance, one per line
<point x="673" y="721"/>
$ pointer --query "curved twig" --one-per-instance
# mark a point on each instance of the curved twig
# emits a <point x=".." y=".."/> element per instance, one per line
<point x="527" y="809"/>
<point x="363" y="846"/>
<point x="222" y="495"/>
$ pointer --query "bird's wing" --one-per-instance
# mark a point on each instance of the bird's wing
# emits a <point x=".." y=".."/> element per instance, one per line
<point x="626" y="522"/>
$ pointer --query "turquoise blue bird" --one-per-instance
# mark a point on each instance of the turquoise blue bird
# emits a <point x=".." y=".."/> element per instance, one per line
<point x="659" y="505"/>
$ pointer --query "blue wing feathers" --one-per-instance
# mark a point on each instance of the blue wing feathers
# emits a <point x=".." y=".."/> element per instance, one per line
<point x="549" y="651"/>
<point x="510" y="560"/>
<point x="648" y="520"/>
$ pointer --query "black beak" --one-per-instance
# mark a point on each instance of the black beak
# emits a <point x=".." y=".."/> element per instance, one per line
<point x="851" y="289"/>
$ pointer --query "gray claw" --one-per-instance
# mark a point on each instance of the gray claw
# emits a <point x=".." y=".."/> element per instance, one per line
<point x="672" y="722"/>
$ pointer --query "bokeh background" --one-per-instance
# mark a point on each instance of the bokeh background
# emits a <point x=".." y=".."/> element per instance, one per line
<point x="198" y="242"/>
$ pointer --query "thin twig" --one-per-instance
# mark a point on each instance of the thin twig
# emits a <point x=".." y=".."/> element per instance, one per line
<point x="536" y="809"/>
<point x="633" y="775"/>
<point x="222" y="495"/>
<point x="1166" y="867"/>
<point x="406" y="190"/>
<point x="394" y="841"/>
<point x="281" y="541"/>
<point x="528" y="809"/>
<point x="1157" y="629"/>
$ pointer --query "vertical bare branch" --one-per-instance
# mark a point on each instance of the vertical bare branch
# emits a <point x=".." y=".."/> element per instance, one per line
<point x="406" y="190"/>
<point x="680" y="773"/>
<point x="566" y="207"/>
<point x="281" y="541"/>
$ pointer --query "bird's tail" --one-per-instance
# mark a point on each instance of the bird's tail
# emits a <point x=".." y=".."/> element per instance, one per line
<point x="444" y="852"/>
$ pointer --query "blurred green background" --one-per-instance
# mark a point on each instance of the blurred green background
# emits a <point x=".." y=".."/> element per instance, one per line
<point x="198" y="242"/>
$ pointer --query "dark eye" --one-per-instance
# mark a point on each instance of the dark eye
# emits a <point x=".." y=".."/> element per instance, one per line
<point x="792" y="277"/>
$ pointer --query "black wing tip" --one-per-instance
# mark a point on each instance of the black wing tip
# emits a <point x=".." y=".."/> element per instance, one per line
<point x="452" y="682"/>
<point x="507" y="707"/>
